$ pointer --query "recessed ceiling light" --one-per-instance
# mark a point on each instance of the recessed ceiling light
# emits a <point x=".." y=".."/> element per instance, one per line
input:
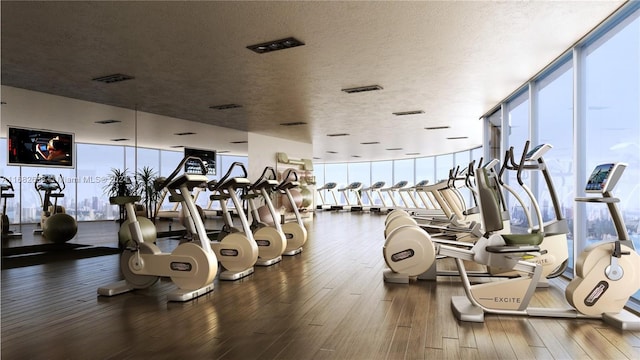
<point x="177" y="146"/>
<point x="184" y="133"/>
<point x="332" y="152"/>
<point x="436" y="127"/>
<point x="108" y="79"/>
<point x="339" y="134"/>
<point x="109" y="121"/>
<point x="413" y="112"/>
<point x="394" y="149"/>
<point x="457" y="137"/>
<point x="120" y="139"/>
<point x="225" y="106"/>
<point x="275" y="45"/>
<point x="239" y="142"/>
<point x="370" y="143"/>
<point x="295" y="123"/>
<point x="362" y="89"/>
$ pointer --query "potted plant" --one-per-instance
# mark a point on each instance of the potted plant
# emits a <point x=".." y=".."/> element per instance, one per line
<point x="145" y="178"/>
<point x="119" y="184"/>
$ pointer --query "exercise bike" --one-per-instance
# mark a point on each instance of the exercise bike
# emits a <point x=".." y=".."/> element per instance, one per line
<point x="295" y="232"/>
<point x="55" y="224"/>
<point x="271" y="240"/>
<point x="235" y="248"/>
<point x="7" y="191"/>
<point x="191" y="266"/>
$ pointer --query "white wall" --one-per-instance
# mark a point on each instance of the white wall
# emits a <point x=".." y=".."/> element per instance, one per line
<point x="263" y="149"/>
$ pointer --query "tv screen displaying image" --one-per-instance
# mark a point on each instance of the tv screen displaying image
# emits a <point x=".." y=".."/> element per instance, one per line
<point x="34" y="147"/>
<point x="207" y="156"/>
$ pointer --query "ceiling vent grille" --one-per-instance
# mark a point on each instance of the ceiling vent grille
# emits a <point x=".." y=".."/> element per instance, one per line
<point x="222" y="151"/>
<point x="457" y="137"/>
<point x="239" y="142"/>
<point x="120" y="139"/>
<point x="177" y="146"/>
<point x="362" y="89"/>
<point x="436" y="127"/>
<point x="295" y="123"/>
<point x="414" y="153"/>
<point x="370" y="143"/>
<point x="184" y="133"/>
<point x="108" y="79"/>
<point x="404" y="113"/>
<point x="339" y="134"/>
<point x="275" y="45"/>
<point x="109" y="121"/>
<point x="394" y="149"/>
<point x="355" y="156"/>
<point x="225" y="106"/>
<point x="332" y="152"/>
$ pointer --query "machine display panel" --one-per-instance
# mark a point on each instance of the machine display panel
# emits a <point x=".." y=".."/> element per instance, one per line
<point x="598" y="179"/>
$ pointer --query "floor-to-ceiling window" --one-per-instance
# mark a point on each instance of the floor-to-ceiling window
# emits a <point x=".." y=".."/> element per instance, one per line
<point x="518" y="134"/>
<point x="612" y="90"/>
<point x="382" y="171"/>
<point x="338" y="174"/>
<point x="359" y="172"/>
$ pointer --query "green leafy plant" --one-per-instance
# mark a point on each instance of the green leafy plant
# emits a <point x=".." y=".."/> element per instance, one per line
<point x="119" y="184"/>
<point x="145" y="178"/>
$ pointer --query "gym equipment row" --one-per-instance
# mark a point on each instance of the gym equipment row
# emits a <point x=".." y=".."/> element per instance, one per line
<point x="193" y="265"/>
<point x="607" y="272"/>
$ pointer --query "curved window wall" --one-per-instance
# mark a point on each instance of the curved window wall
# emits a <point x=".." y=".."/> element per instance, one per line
<point x="586" y="105"/>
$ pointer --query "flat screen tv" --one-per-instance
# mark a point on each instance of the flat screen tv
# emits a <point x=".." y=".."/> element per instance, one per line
<point x="207" y="156"/>
<point x="32" y="147"/>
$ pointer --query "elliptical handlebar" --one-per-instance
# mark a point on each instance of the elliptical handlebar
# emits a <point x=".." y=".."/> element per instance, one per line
<point x="213" y="186"/>
<point x="161" y="183"/>
<point x="50" y="181"/>
<point x="522" y="161"/>
<point x="8" y="182"/>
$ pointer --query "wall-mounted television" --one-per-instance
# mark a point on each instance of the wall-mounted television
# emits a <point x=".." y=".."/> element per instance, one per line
<point x="33" y="147"/>
<point x="207" y="156"/>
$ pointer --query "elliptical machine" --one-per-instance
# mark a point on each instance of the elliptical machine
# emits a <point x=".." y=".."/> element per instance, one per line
<point x="6" y="192"/>
<point x="55" y="224"/>
<point x="192" y="266"/>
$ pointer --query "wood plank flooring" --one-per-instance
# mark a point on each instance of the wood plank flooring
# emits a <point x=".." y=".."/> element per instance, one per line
<point x="327" y="303"/>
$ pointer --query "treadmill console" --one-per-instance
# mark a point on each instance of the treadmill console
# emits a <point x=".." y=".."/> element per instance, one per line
<point x="537" y="152"/>
<point x="605" y="177"/>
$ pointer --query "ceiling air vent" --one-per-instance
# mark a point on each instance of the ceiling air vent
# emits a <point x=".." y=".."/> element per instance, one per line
<point x="295" y="123"/>
<point x="457" y="137"/>
<point x="436" y="127"/>
<point x="332" y="152"/>
<point x="109" y="121"/>
<point x="108" y="79"/>
<point x="120" y="139"/>
<point x="275" y="45"/>
<point x="225" y="106"/>
<point x="362" y="89"/>
<point x="413" y="112"/>
<point x="222" y="151"/>
<point x="177" y="146"/>
<point x="239" y="142"/>
<point x="370" y="143"/>
<point x="339" y="134"/>
<point x="412" y="154"/>
<point x="184" y="133"/>
<point x="394" y="149"/>
<point x="355" y="156"/>
<point x="316" y="158"/>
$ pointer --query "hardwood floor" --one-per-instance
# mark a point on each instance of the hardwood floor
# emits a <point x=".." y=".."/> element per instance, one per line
<point x="327" y="303"/>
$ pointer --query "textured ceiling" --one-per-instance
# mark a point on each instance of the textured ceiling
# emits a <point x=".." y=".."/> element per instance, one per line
<point x="453" y="60"/>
